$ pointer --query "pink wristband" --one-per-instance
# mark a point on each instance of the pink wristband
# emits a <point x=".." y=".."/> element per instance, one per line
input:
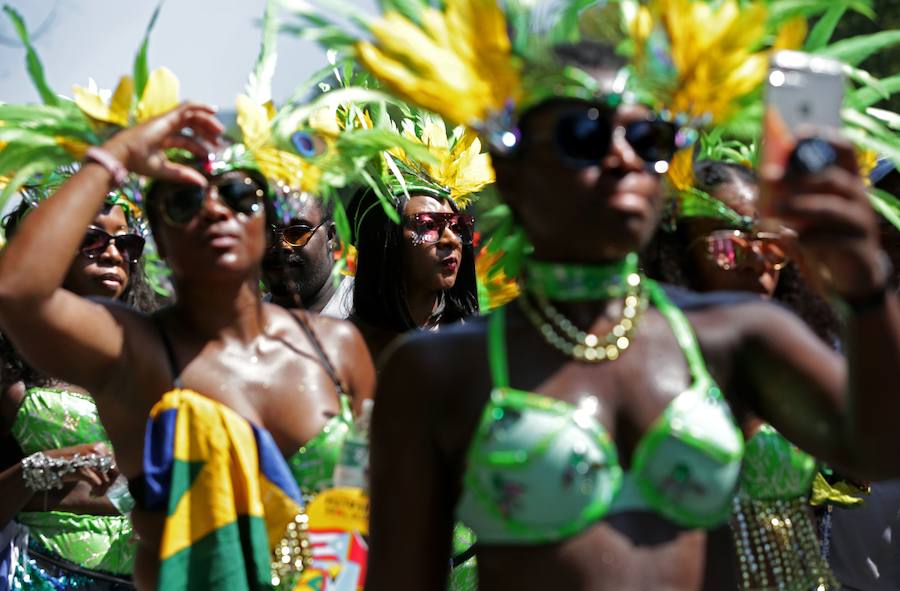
<point x="112" y="165"/>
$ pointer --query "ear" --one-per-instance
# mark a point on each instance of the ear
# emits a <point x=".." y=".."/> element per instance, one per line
<point x="331" y="236"/>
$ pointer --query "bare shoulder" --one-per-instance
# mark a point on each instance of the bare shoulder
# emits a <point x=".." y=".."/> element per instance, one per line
<point x="453" y="348"/>
<point x="751" y="322"/>
<point x="333" y="329"/>
<point x="746" y="342"/>
<point x="339" y="338"/>
<point x="144" y="367"/>
<point x="440" y="378"/>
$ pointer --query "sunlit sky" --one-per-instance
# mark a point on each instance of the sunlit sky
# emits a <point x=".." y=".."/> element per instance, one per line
<point x="211" y="46"/>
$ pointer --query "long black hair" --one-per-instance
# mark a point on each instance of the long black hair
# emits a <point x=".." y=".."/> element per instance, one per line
<point x="379" y="290"/>
<point x="667" y="259"/>
<point x="138" y="295"/>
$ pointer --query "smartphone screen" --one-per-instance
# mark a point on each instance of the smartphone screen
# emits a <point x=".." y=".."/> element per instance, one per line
<point x="806" y="91"/>
<point x="803" y="96"/>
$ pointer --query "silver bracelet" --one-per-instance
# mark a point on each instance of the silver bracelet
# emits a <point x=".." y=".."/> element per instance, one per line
<point x="42" y="473"/>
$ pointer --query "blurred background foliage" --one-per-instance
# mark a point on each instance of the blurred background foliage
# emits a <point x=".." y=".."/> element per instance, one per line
<point x="886" y="62"/>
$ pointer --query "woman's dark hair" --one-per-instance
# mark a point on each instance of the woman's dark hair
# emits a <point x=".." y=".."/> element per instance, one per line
<point x="667" y="259"/>
<point x="710" y="174"/>
<point x="138" y="295"/>
<point x="379" y="292"/>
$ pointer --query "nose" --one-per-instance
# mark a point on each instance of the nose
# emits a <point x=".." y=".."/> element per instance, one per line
<point x="621" y="156"/>
<point x="112" y="254"/>
<point x="449" y="238"/>
<point x="213" y="207"/>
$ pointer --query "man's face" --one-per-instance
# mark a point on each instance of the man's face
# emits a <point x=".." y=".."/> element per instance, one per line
<point x="300" y="259"/>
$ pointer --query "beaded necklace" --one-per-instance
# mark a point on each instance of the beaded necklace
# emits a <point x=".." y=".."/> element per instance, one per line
<point x="566" y="282"/>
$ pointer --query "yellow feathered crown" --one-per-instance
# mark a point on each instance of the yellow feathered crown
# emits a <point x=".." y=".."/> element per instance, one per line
<point x="479" y="62"/>
<point x="38" y="139"/>
<point x="459" y="168"/>
<point x="698" y="60"/>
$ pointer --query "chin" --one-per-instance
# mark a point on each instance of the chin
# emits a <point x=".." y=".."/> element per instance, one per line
<point x="105" y="292"/>
<point x="219" y="272"/>
<point x="616" y="245"/>
<point x="445" y="283"/>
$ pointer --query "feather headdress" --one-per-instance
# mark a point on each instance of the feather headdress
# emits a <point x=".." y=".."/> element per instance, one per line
<point x="38" y="139"/>
<point x="352" y="135"/>
<point x="42" y="145"/>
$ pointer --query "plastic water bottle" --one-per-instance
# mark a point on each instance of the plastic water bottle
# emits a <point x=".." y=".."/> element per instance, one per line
<point x="352" y="470"/>
<point x="119" y="496"/>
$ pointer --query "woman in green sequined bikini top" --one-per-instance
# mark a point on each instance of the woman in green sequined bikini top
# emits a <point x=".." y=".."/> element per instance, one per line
<point x="50" y="419"/>
<point x="313" y="464"/>
<point x="72" y="526"/>
<point x="598" y="453"/>
<point x="685" y="468"/>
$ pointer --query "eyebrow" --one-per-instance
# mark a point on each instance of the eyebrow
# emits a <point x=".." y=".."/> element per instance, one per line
<point x="299" y="222"/>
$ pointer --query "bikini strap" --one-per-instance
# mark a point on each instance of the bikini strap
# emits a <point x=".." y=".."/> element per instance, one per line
<point x="346" y="407"/>
<point x="320" y="351"/>
<point x="684" y="335"/>
<point x="170" y="353"/>
<point x="497" y="357"/>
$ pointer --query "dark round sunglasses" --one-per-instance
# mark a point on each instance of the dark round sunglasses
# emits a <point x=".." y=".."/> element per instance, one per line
<point x="583" y="137"/>
<point x="297" y="235"/>
<point x="96" y="241"/>
<point x="180" y="203"/>
<point x="428" y="227"/>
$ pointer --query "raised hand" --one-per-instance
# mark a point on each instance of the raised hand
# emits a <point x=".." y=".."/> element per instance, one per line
<point x="190" y="126"/>
<point x="836" y="227"/>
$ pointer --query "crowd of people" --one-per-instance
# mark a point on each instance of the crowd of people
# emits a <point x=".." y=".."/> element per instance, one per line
<point x="502" y="303"/>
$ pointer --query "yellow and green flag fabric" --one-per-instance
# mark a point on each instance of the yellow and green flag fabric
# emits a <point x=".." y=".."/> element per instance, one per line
<point x="226" y="489"/>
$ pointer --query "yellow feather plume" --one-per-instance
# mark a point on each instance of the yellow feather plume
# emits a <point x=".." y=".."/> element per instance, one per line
<point x="462" y="169"/>
<point x="495" y="288"/>
<point x="118" y="109"/>
<point x="714" y="51"/>
<point x="74" y="147"/>
<point x="160" y="95"/>
<point x="458" y="64"/>
<point x="255" y="122"/>
<point x="681" y="170"/>
<point x="866" y="160"/>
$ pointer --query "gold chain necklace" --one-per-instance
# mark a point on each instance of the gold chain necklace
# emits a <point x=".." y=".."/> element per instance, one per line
<point x="560" y="333"/>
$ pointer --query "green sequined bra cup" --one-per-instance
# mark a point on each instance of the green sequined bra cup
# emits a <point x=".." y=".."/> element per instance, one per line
<point x="540" y="469"/>
<point x="51" y="419"/>
<point x="313" y="464"/>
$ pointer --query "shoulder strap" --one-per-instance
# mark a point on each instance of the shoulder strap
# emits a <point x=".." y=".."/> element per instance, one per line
<point x="170" y="352"/>
<point x="682" y="330"/>
<point x="320" y="351"/>
<point x="497" y="348"/>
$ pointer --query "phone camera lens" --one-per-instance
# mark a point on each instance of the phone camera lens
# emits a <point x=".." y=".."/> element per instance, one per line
<point x="811" y="155"/>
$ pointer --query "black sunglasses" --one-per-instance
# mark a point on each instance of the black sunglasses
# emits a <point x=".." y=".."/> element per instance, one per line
<point x="181" y="202"/>
<point x="428" y="227"/>
<point x="96" y="241"/>
<point x="583" y="137"/>
<point x="297" y="235"/>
